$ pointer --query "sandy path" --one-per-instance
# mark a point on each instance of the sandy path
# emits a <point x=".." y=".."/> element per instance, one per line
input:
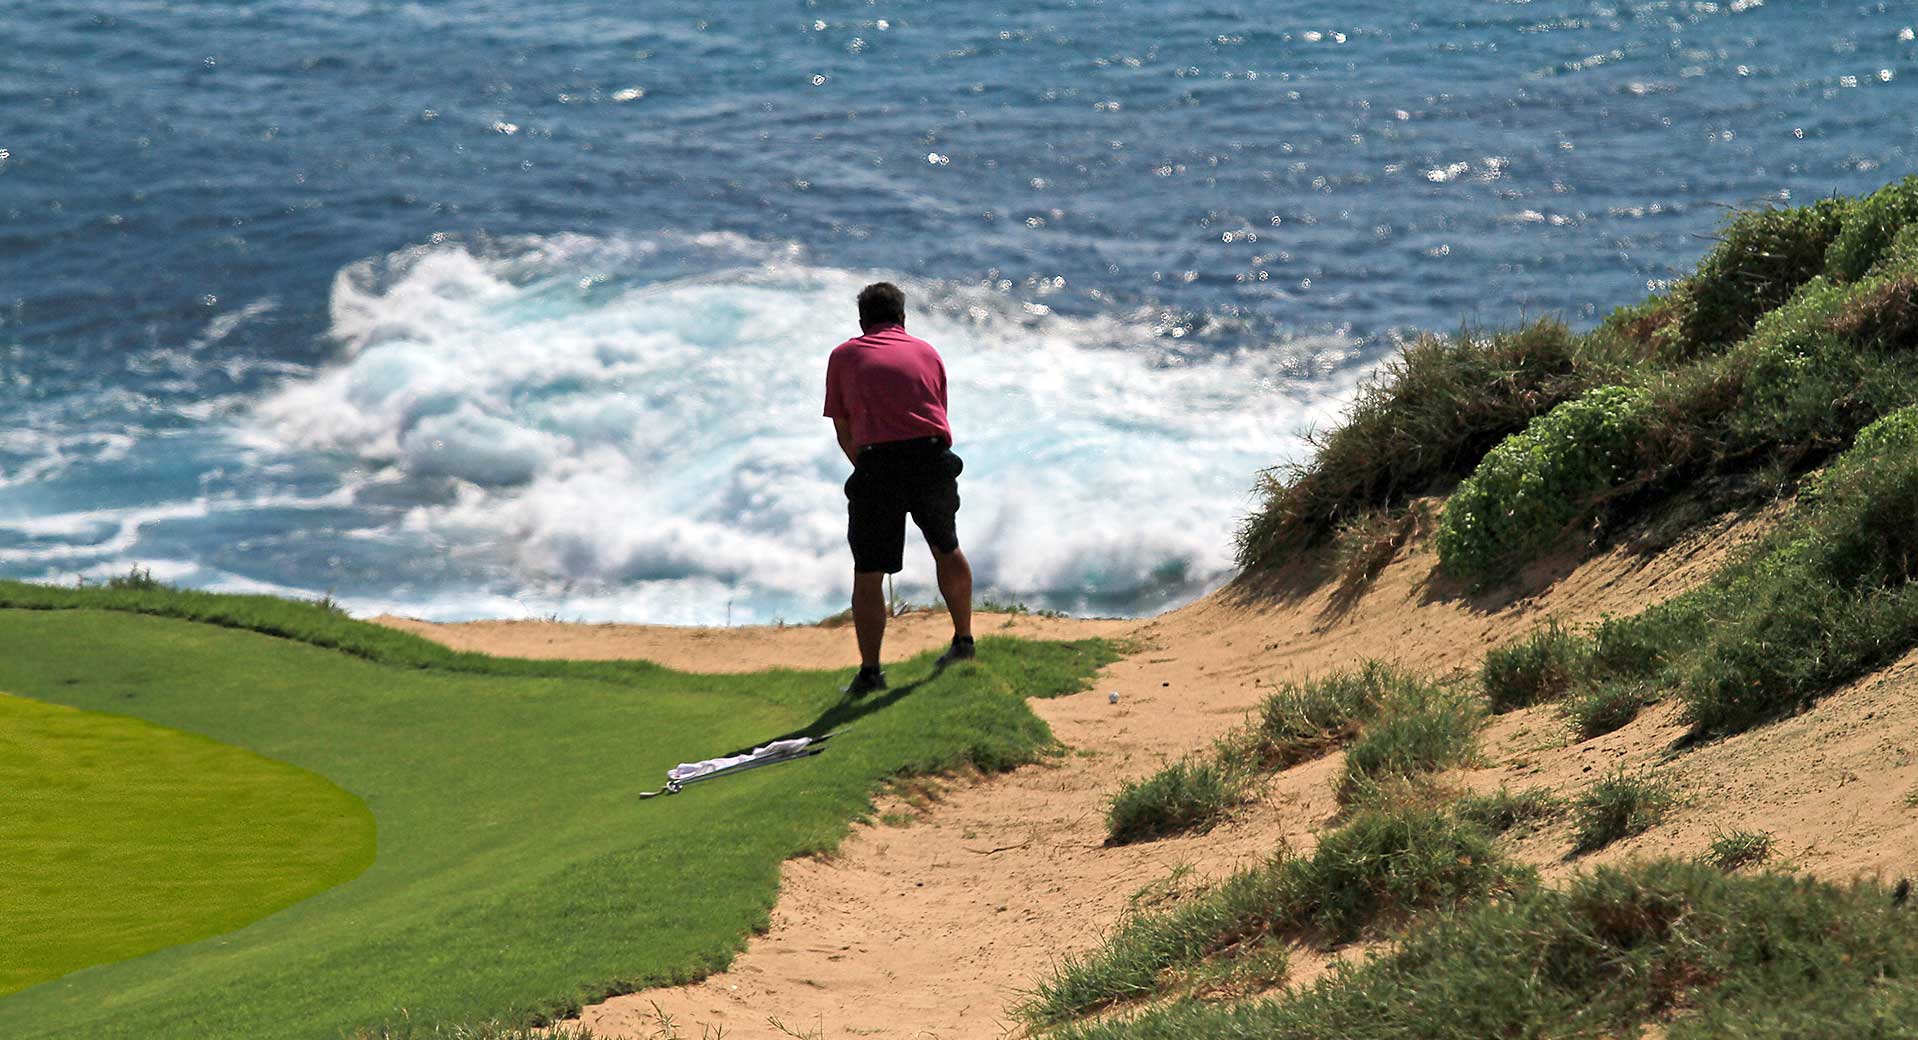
<point x="935" y="929"/>
<point x="751" y="648"/>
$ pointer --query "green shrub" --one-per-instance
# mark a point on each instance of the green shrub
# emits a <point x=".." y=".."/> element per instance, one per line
<point x="1188" y="795"/>
<point x="1605" y="707"/>
<point x="1304" y="720"/>
<point x="1379" y="867"/>
<point x="1536" y="482"/>
<point x="1869" y="229"/>
<point x="1618" y="806"/>
<point x="1422" y="728"/>
<point x="1537" y="668"/>
<point x="1736" y="849"/>
<point x="1762" y="257"/>
<point x="1422" y="421"/>
<point x="1504" y="810"/>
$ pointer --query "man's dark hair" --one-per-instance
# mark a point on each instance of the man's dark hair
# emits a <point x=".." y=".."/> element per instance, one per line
<point x="881" y="303"/>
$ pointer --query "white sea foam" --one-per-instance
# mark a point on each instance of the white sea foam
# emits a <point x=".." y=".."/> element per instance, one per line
<point x="658" y="450"/>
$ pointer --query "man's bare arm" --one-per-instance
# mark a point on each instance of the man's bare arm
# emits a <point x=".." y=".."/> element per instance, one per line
<point x="843" y="427"/>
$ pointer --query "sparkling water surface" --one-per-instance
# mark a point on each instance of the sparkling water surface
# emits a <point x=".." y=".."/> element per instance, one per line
<point x="491" y="309"/>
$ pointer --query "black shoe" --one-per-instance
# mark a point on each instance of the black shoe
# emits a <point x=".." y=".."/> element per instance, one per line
<point x="867" y="681"/>
<point x="960" y="650"/>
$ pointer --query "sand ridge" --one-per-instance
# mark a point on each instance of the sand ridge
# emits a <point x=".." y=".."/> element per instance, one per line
<point x="934" y="929"/>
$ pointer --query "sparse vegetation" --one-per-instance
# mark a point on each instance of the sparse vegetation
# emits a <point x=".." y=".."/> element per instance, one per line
<point x="1364" y="544"/>
<point x="1377" y="868"/>
<point x="1763" y="957"/>
<point x="406" y="1029"/>
<point x="1734" y="850"/>
<point x="1618" y="806"/>
<point x="136" y="579"/>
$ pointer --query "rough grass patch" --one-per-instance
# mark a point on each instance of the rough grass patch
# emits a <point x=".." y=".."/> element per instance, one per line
<point x="1833" y="585"/>
<point x="1422" y="729"/>
<point x="1605" y="707"/>
<point x="1734" y="850"/>
<point x="1304" y="720"/>
<point x="1192" y="794"/>
<point x="1504" y="810"/>
<point x="1870" y="228"/>
<point x="1539" y="667"/>
<point x="1761" y="258"/>
<point x="1365" y="544"/>
<point x="1618" y="806"/>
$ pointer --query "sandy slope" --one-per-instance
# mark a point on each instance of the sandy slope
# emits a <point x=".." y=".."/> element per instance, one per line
<point x="932" y="929"/>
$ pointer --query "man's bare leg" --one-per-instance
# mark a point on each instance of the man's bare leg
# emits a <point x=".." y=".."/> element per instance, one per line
<point x="955" y="584"/>
<point x="869" y="614"/>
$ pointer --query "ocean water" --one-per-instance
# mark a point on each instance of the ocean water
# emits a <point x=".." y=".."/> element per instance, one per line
<point x="494" y="309"/>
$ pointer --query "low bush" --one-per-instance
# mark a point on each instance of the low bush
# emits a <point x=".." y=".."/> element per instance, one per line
<point x="1377" y="868"/>
<point x="1538" y="668"/>
<point x="1420" y="423"/>
<point x="1530" y="488"/>
<point x="1618" y="806"/>
<point x="1192" y="794"/>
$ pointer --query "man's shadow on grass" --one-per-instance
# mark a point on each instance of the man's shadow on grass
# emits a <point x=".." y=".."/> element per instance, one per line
<point x="848" y="710"/>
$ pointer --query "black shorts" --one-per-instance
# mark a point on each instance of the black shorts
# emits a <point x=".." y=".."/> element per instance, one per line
<point x="918" y="477"/>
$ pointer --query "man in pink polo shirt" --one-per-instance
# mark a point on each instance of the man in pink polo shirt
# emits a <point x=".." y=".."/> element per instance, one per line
<point x="886" y="397"/>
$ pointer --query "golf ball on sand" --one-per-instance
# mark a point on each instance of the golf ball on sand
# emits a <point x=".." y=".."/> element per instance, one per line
<point x="1113" y="697"/>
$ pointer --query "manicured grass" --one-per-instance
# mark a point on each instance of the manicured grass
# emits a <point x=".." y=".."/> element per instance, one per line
<point x="120" y="837"/>
<point x="1707" y="955"/>
<point x="517" y="873"/>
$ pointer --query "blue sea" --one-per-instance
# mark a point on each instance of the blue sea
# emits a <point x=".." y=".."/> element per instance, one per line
<point x="466" y="309"/>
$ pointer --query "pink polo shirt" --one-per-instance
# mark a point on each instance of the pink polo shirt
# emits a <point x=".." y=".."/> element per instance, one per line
<point x="890" y="386"/>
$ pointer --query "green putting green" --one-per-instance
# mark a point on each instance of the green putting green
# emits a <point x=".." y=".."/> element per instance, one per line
<point x="121" y="837"/>
<point x="518" y="875"/>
